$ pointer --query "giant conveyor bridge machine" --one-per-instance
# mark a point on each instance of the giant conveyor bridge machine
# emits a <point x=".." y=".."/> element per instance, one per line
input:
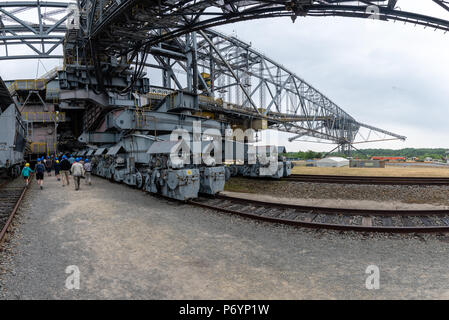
<point x="124" y="118"/>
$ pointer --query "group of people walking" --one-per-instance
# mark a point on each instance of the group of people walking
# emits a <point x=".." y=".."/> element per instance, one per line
<point x="77" y="167"/>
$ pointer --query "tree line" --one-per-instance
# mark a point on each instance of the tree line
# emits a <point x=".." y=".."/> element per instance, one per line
<point x="421" y="153"/>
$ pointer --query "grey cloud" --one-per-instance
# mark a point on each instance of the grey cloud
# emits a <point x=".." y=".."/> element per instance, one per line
<point x="357" y="63"/>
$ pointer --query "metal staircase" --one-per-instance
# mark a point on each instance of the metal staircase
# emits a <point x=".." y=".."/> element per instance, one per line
<point x="92" y="117"/>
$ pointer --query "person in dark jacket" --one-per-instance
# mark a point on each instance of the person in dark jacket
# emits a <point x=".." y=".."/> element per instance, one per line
<point x="57" y="169"/>
<point x="65" y="168"/>
<point x="48" y="165"/>
<point x="40" y="170"/>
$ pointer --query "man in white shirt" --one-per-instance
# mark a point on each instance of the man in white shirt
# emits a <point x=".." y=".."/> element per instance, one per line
<point x="77" y="172"/>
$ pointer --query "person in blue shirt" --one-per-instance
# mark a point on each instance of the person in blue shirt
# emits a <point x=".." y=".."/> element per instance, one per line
<point x="26" y="173"/>
<point x="71" y="160"/>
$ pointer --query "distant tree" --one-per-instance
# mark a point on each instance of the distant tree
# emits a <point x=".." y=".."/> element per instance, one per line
<point x="309" y="155"/>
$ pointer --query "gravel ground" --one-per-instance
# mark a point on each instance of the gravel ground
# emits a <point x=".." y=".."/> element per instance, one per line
<point x="437" y="195"/>
<point x="128" y="244"/>
<point x="14" y="184"/>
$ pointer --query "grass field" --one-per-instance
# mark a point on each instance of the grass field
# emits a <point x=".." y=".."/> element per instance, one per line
<point x="388" y="171"/>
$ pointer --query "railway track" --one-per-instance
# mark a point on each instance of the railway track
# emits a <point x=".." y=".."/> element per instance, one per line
<point x="368" y="180"/>
<point x="389" y="221"/>
<point x="11" y="195"/>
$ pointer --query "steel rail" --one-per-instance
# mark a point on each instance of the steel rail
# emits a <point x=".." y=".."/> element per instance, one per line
<point x="331" y="212"/>
<point x="304" y="216"/>
<point x="8" y="222"/>
<point x="375" y="180"/>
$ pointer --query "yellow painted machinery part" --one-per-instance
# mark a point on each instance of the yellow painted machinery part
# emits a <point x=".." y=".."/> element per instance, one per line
<point x="205" y="114"/>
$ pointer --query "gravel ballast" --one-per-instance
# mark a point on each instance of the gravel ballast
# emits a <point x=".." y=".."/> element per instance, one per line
<point x="437" y="195"/>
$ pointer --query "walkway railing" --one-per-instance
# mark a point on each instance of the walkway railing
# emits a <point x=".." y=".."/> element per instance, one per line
<point x="42" y="116"/>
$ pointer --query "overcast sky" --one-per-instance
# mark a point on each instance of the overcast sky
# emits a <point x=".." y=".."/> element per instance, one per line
<point x="385" y="74"/>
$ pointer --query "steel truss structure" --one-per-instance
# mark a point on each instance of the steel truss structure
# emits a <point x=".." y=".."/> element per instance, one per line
<point x="139" y="21"/>
<point x="35" y="28"/>
<point x="121" y="26"/>
<point x="177" y="36"/>
<point x="249" y="84"/>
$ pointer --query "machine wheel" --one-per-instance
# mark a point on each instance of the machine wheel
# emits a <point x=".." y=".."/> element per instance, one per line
<point x="116" y="177"/>
<point x="15" y="171"/>
<point x="139" y="180"/>
<point x="227" y="173"/>
<point x="110" y="174"/>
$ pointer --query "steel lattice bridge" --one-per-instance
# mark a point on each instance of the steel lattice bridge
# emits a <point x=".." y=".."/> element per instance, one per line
<point x="176" y="37"/>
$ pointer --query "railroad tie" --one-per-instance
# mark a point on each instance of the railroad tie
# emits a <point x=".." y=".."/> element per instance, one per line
<point x="367" y="221"/>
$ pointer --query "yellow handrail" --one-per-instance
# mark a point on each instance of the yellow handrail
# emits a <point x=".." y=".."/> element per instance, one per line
<point x="28" y="84"/>
<point x="45" y="116"/>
